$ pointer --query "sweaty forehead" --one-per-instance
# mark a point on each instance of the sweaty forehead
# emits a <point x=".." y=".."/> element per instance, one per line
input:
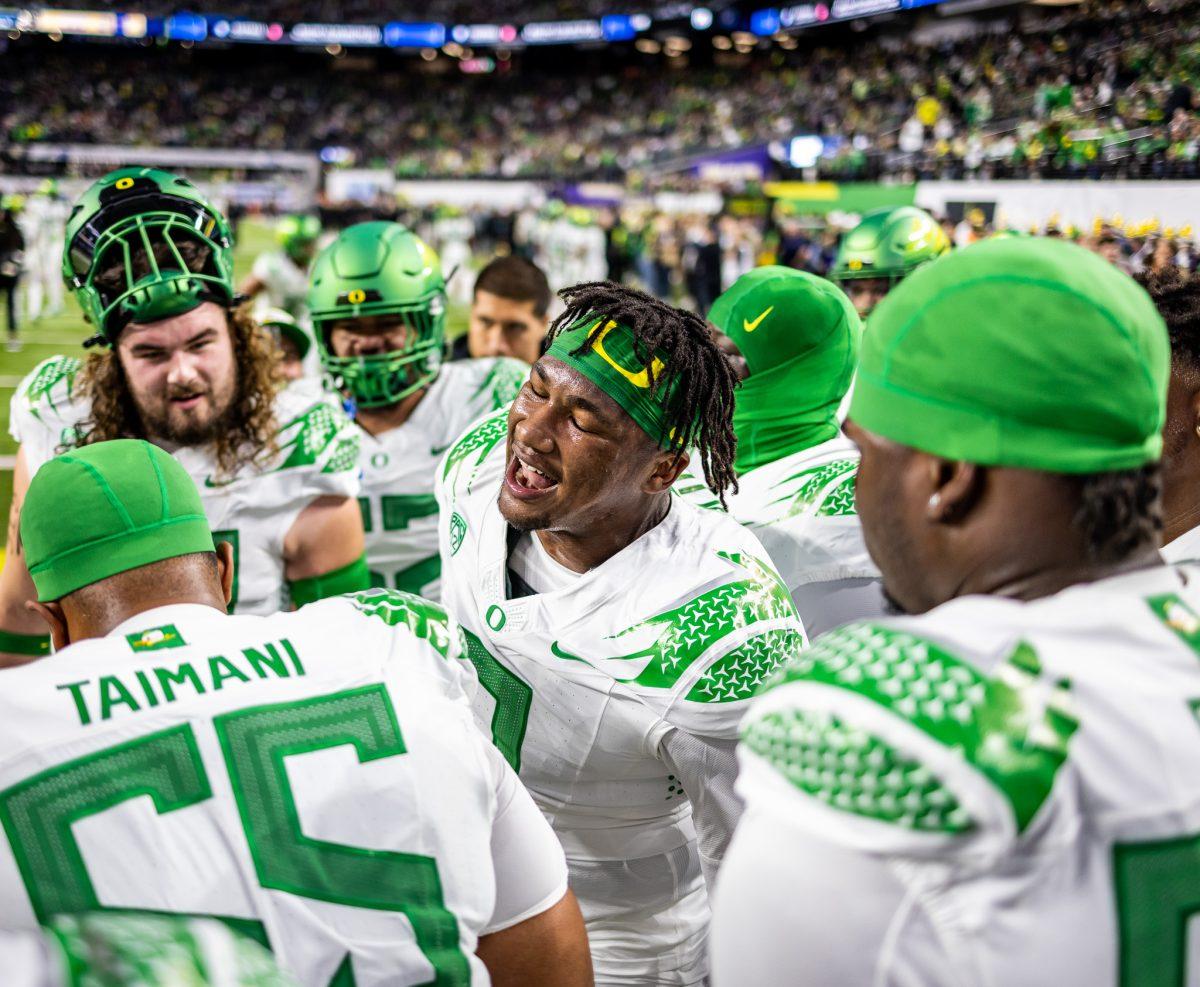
<point x="568" y="385"/>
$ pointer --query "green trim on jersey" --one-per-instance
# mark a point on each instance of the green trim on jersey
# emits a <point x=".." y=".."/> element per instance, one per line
<point x="826" y="487"/>
<point x="320" y="433"/>
<point x="1178" y="617"/>
<point x="45" y="378"/>
<point x="688" y="631"/>
<point x="425" y="619"/>
<point x="503" y="380"/>
<point x="852" y="770"/>
<point x="1013" y="727"/>
<point x="738" y="674"/>
<point x="483" y="438"/>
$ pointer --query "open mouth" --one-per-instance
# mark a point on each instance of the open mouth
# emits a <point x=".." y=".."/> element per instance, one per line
<point x="186" y="401"/>
<point x="527" y="482"/>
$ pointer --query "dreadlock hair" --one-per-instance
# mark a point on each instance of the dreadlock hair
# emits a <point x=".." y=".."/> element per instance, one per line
<point x="1176" y="295"/>
<point x="1119" y="511"/>
<point x="698" y="378"/>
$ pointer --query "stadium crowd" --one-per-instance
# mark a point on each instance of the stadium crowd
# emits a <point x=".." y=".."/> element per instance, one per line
<point x="1103" y="89"/>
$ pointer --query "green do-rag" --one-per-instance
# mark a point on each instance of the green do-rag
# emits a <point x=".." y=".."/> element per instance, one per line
<point x="1031" y="353"/>
<point x="105" y="509"/>
<point x="799" y="335"/>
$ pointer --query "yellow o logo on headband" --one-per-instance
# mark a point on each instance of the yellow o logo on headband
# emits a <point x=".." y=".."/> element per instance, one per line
<point x="124" y="183"/>
<point x="356" y="297"/>
<point x="640" y="379"/>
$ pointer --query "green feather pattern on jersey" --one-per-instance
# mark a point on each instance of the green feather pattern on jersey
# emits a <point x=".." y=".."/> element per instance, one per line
<point x="816" y="488"/>
<point x="45" y="382"/>
<point x="688" y="631"/>
<point x="482" y="439"/>
<point x="320" y="435"/>
<point x="854" y="771"/>
<point x="1013" y="726"/>
<point x="503" y="380"/>
<point x="425" y="619"/>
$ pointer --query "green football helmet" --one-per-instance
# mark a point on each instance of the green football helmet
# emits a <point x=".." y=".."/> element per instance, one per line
<point x="889" y="243"/>
<point x="143" y="245"/>
<point x="298" y="233"/>
<point x="380" y="268"/>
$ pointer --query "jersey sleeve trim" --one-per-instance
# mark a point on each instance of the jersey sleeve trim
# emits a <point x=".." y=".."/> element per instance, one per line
<point x="427" y="620"/>
<point x="1012" y="727"/>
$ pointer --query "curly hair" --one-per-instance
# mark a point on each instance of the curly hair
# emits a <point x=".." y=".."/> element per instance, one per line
<point x="700" y="408"/>
<point x="1176" y="295"/>
<point x="1119" y="512"/>
<point x="246" y="437"/>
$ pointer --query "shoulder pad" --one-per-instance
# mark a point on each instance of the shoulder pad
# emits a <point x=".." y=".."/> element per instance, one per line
<point x="501" y="381"/>
<point x="49" y="387"/>
<point x="426" y="619"/>
<point x="681" y="635"/>
<point x="321" y="435"/>
<point x="1012" y="727"/>
<point x="826" y="490"/>
<point x="473" y="447"/>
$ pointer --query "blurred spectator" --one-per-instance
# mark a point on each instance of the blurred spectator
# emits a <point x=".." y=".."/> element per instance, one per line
<point x="510" y="308"/>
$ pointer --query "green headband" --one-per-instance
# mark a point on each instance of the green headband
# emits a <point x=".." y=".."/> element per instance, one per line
<point x="613" y="364"/>
<point x="1032" y="353"/>
<point x="105" y="509"/>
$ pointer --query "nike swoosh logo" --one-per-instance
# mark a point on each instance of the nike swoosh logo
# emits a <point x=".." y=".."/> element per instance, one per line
<point x="211" y="483"/>
<point x="751" y="326"/>
<point x="565" y="655"/>
<point x="438" y="450"/>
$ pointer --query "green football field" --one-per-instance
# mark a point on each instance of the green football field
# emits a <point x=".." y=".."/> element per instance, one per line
<point x="65" y="333"/>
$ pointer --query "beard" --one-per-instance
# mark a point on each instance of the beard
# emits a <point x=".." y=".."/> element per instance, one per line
<point x="195" y="427"/>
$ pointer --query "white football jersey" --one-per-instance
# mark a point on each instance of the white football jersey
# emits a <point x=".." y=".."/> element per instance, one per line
<point x="318" y="456"/>
<point x="336" y="800"/>
<point x="801" y="507"/>
<point x="1009" y="792"/>
<point x="1185" y="548"/>
<point x="400" y="512"/>
<point x="583" y="688"/>
<point x="135" y="950"/>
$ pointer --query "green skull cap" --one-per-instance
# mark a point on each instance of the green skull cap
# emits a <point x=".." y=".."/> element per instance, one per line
<point x="377" y="269"/>
<point x="889" y="243"/>
<point x="143" y="245"/>
<point x="1022" y="352"/>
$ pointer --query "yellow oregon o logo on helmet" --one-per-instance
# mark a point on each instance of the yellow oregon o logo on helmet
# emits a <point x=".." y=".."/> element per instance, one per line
<point x="641" y="378"/>
<point x="124" y="183"/>
<point x="356" y="297"/>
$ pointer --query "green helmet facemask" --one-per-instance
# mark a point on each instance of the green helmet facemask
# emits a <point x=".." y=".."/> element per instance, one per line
<point x="380" y="269"/>
<point x="144" y="245"/>
<point x="889" y="243"/>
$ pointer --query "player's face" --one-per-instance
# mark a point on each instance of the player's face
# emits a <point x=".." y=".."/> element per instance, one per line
<point x="181" y="373"/>
<point x="866" y="293"/>
<point x="575" y="460"/>
<point x="504" y="327"/>
<point x="890" y="497"/>
<point x="291" y="364"/>
<point x="372" y="335"/>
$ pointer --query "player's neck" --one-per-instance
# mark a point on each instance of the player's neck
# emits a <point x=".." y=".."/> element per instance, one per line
<point x="1180" y="502"/>
<point x="376" y="421"/>
<point x="597" y="543"/>
<point x="85" y="626"/>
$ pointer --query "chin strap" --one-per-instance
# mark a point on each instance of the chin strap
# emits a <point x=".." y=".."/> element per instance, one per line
<point x="348" y="579"/>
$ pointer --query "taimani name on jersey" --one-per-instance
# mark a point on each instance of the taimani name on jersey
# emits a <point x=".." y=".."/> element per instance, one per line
<point x="148" y="687"/>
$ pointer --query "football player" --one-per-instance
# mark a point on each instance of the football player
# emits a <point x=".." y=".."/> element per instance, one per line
<point x="617" y="631"/>
<point x="887" y="246"/>
<point x="281" y="276"/>
<point x="794" y="339"/>
<point x="150" y="261"/>
<point x="1003" y="789"/>
<point x="378" y="306"/>
<point x="336" y="801"/>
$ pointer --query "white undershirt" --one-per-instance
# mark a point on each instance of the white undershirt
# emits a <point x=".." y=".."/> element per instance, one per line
<point x="534" y="566"/>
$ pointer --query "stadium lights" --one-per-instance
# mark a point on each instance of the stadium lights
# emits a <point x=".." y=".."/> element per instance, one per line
<point x="701" y="19"/>
<point x="721" y="43"/>
<point x="677" y="43"/>
<point x="647" y="46"/>
<point x="429" y="54"/>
